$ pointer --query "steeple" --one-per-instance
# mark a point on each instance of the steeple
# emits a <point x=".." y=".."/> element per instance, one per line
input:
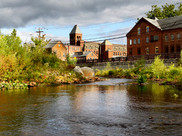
<point x="76" y="30"/>
<point x="76" y="36"/>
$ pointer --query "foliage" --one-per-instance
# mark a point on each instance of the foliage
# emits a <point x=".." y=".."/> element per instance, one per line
<point x="142" y="79"/>
<point x="71" y="61"/>
<point x="180" y="61"/>
<point x="158" y="68"/>
<point x="139" y="66"/>
<point x="27" y="62"/>
<point x="166" y="11"/>
<point x="108" y="66"/>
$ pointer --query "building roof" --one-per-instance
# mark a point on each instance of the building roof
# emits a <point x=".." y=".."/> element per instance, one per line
<point x="170" y="23"/>
<point x="76" y="30"/>
<point x="106" y="42"/>
<point x="92" y="45"/>
<point x="51" y="44"/>
<point x="164" y="24"/>
<point x="167" y="23"/>
<point x="153" y="21"/>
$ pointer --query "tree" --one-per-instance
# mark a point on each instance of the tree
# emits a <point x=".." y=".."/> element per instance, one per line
<point x="166" y="11"/>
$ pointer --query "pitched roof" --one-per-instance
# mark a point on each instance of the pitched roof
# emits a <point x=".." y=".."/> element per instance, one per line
<point x="167" y="23"/>
<point x="106" y="42"/>
<point x="170" y="23"/>
<point x="51" y="44"/>
<point x="75" y="30"/>
<point x="153" y="21"/>
<point x="81" y="54"/>
<point x="164" y="24"/>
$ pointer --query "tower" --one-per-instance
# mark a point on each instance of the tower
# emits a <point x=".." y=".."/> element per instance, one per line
<point x="76" y="36"/>
<point x="106" y="50"/>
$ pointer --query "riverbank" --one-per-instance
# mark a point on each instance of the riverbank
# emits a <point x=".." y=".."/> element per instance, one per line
<point x="156" y="72"/>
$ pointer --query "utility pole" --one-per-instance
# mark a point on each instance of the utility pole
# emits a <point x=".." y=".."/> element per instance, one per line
<point x="40" y="31"/>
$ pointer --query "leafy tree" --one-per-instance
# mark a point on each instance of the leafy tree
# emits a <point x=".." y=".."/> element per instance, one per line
<point x="166" y="11"/>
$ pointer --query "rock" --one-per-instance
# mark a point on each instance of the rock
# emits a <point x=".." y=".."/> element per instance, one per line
<point x="88" y="72"/>
<point x="78" y="70"/>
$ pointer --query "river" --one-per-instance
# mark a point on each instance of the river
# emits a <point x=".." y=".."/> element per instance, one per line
<point x="103" y="108"/>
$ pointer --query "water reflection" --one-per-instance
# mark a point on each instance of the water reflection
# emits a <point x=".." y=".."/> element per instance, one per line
<point x="93" y="109"/>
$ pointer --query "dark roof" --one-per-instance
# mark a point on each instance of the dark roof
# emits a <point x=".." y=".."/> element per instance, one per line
<point x="170" y="23"/>
<point x="167" y="23"/>
<point x="51" y="44"/>
<point x="75" y="30"/>
<point x="163" y="24"/>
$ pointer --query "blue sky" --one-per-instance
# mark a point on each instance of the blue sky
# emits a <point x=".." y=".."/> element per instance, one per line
<point x="95" y="18"/>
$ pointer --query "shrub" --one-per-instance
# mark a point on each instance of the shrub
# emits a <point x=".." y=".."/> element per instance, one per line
<point x="158" y="68"/>
<point x="142" y="79"/>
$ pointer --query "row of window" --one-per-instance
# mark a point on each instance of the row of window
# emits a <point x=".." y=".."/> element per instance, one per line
<point x="172" y="37"/>
<point x="155" y="38"/>
<point x="117" y="53"/>
<point x="147" y="50"/>
<point x="73" y="48"/>
<point x="139" y="30"/>
<point x="92" y="58"/>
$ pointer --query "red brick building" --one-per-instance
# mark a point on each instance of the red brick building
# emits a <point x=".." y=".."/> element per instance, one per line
<point x="83" y="50"/>
<point x="103" y="50"/>
<point x="58" y="48"/>
<point x="153" y="36"/>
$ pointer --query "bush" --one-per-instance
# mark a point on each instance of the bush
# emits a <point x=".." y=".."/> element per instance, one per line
<point x="142" y="79"/>
<point x="158" y="68"/>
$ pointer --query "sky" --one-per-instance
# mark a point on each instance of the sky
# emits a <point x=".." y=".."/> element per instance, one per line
<point x="97" y="19"/>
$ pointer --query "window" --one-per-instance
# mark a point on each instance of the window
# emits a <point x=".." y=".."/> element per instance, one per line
<point x="147" y="40"/>
<point x="130" y="42"/>
<point x="134" y="41"/>
<point x="156" y="50"/>
<point x="178" y="48"/>
<point x="139" y="51"/>
<point x="166" y="38"/>
<point x="156" y="38"/>
<point x="138" y="40"/>
<point x="130" y="51"/>
<point x="172" y="37"/>
<point x="172" y="48"/>
<point x="166" y="49"/>
<point x="139" y="31"/>
<point x="147" y="29"/>
<point x="147" y="50"/>
<point x="178" y="36"/>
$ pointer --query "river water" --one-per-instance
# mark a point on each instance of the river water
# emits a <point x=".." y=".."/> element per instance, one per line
<point x="97" y="109"/>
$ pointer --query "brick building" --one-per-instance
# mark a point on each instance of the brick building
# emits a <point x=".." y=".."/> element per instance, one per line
<point x="58" y="48"/>
<point x="84" y="50"/>
<point x="103" y="50"/>
<point x="153" y="36"/>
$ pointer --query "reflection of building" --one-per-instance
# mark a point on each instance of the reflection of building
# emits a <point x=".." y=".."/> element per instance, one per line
<point x="153" y="36"/>
<point x="84" y="50"/>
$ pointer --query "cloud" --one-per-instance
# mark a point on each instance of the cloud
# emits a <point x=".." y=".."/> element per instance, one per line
<point x="20" y="13"/>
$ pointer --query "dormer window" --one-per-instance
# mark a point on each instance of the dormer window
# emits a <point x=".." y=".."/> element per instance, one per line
<point x="139" y="31"/>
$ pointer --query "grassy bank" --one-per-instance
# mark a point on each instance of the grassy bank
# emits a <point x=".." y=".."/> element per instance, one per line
<point x="157" y="71"/>
<point x="29" y="65"/>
